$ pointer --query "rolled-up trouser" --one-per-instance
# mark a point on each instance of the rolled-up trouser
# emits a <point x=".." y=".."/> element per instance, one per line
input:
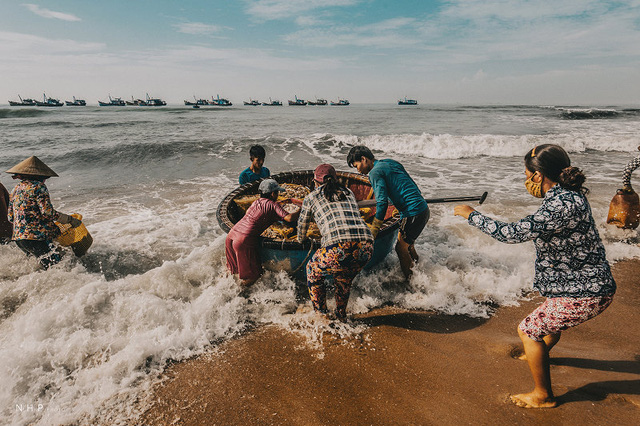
<point x="242" y="254"/>
<point x="341" y="261"/>
<point x="45" y="251"/>
<point x="412" y="227"/>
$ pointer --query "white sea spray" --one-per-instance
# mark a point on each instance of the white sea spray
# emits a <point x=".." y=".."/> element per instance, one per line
<point x="81" y="341"/>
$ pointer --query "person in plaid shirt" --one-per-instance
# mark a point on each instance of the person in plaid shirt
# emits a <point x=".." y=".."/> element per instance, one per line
<point x="347" y="242"/>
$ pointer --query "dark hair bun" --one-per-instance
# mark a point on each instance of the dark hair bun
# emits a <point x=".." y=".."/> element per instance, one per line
<point x="572" y="178"/>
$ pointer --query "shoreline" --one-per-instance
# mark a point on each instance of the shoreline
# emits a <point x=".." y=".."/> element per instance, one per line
<point x="409" y="367"/>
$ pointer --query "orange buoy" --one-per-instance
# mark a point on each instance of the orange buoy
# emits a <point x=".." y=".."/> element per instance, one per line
<point x="624" y="210"/>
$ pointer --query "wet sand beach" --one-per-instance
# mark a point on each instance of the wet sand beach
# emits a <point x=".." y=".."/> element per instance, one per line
<point x="412" y="368"/>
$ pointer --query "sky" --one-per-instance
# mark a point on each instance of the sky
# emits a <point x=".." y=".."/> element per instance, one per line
<point x="542" y="52"/>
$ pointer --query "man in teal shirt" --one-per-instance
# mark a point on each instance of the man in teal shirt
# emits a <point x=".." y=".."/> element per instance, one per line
<point x="390" y="181"/>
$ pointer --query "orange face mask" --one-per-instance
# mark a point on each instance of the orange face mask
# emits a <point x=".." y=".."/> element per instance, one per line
<point x="533" y="188"/>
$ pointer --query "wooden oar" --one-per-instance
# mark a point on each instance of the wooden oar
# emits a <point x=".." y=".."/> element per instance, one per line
<point x="480" y="199"/>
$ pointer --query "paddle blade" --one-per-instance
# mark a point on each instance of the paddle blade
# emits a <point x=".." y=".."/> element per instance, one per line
<point x="483" y="197"/>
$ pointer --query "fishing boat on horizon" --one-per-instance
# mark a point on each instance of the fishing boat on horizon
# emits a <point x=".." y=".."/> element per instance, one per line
<point x="198" y="102"/>
<point x="406" y="101"/>
<point x="272" y="103"/>
<point x="252" y="102"/>
<point x="23" y="102"/>
<point x="133" y="102"/>
<point x="112" y="102"/>
<point x="218" y="101"/>
<point x="152" y="102"/>
<point x="318" y="101"/>
<point x="49" y="102"/>
<point x="297" y="102"/>
<point x="340" y="102"/>
<point x="76" y="102"/>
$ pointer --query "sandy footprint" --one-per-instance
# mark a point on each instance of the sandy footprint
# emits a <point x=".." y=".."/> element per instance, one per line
<point x="517" y="352"/>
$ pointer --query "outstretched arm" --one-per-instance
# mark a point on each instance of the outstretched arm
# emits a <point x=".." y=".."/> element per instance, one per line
<point x="304" y="220"/>
<point x="550" y="217"/>
<point x="626" y="174"/>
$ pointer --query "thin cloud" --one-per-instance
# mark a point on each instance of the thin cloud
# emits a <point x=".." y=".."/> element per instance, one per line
<point x="197" y="28"/>
<point x="19" y="44"/>
<point x="387" y="34"/>
<point x="257" y="59"/>
<point x="50" y="14"/>
<point x="503" y="30"/>
<point x="282" y="9"/>
<point x="320" y="38"/>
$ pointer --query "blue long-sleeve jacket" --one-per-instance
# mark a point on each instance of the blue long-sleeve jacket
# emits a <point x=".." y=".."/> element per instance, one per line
<point x="390" y="181"/>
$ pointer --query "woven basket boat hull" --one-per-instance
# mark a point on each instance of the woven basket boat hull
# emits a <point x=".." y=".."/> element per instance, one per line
<point x="292" y="256"/>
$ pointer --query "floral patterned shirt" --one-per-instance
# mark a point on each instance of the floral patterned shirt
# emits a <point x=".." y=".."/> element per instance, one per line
<point x="32" y="213"/>
<point x="570" y="260"/>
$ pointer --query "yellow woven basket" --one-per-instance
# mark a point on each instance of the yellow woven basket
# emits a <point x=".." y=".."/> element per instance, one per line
<point x="78" y="238"/>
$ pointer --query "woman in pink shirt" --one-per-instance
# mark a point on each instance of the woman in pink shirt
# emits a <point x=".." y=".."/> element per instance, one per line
<point x="242" y="242"/>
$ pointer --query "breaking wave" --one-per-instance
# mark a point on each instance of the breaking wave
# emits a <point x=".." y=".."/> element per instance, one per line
<point x="447" y="146"/>
<point x="21" y="112"/>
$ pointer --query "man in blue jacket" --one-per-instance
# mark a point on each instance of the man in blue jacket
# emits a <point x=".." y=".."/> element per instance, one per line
<point x="390" y="181"/>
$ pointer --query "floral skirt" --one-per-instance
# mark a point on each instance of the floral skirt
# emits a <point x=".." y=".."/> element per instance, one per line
<point x="342" y="262"/>
<point x="560" y="313"/>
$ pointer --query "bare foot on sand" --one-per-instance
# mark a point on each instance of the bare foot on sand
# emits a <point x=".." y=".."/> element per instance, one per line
<point x="516" y="352"/>
<point x="529" y="400"/>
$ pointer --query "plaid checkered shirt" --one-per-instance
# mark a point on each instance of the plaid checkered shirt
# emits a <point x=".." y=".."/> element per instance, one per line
<point x="338" y="221"/>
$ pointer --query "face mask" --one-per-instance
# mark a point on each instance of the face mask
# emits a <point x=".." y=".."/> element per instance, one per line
<point x="534" y="189"/>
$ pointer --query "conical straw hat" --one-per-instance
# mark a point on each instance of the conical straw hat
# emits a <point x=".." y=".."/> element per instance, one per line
<point x="32" y="166"/>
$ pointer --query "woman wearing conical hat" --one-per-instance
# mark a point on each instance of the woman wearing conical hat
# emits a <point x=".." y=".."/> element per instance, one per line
<point x="32" y="213"/>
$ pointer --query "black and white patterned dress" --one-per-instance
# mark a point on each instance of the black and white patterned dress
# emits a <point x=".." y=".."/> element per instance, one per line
<point x="629" y="168"/>
<point x="571" y="260"/>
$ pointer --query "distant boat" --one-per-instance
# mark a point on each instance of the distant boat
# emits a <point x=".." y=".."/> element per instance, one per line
<point x="297" y="102"/>
<point x="219" y="101"/>
<point x="152" y="102"/>
<point x="23" y="102"/>
<point x="406" y="101"/>
<point x="252" y="102"/>
<point x="198" y="102"/>
<point x="340" y="102"/>
<point x="112" y="102"/>
<point x="49" y="102"/>
<point x="76" y="102"/>
<point x="318" y="102"/>
<point x="272" y="103"/>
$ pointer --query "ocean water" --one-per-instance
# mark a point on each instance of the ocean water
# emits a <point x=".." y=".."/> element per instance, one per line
<point x="81" y="341"/>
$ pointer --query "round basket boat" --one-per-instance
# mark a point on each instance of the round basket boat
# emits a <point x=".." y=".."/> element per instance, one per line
<point x="292" y="256"/>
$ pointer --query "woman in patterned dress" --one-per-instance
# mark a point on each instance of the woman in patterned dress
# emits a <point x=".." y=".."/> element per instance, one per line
<point x="571" y="269"/>
<point x="346" y="245"/>
<point x="32" y="213"/>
